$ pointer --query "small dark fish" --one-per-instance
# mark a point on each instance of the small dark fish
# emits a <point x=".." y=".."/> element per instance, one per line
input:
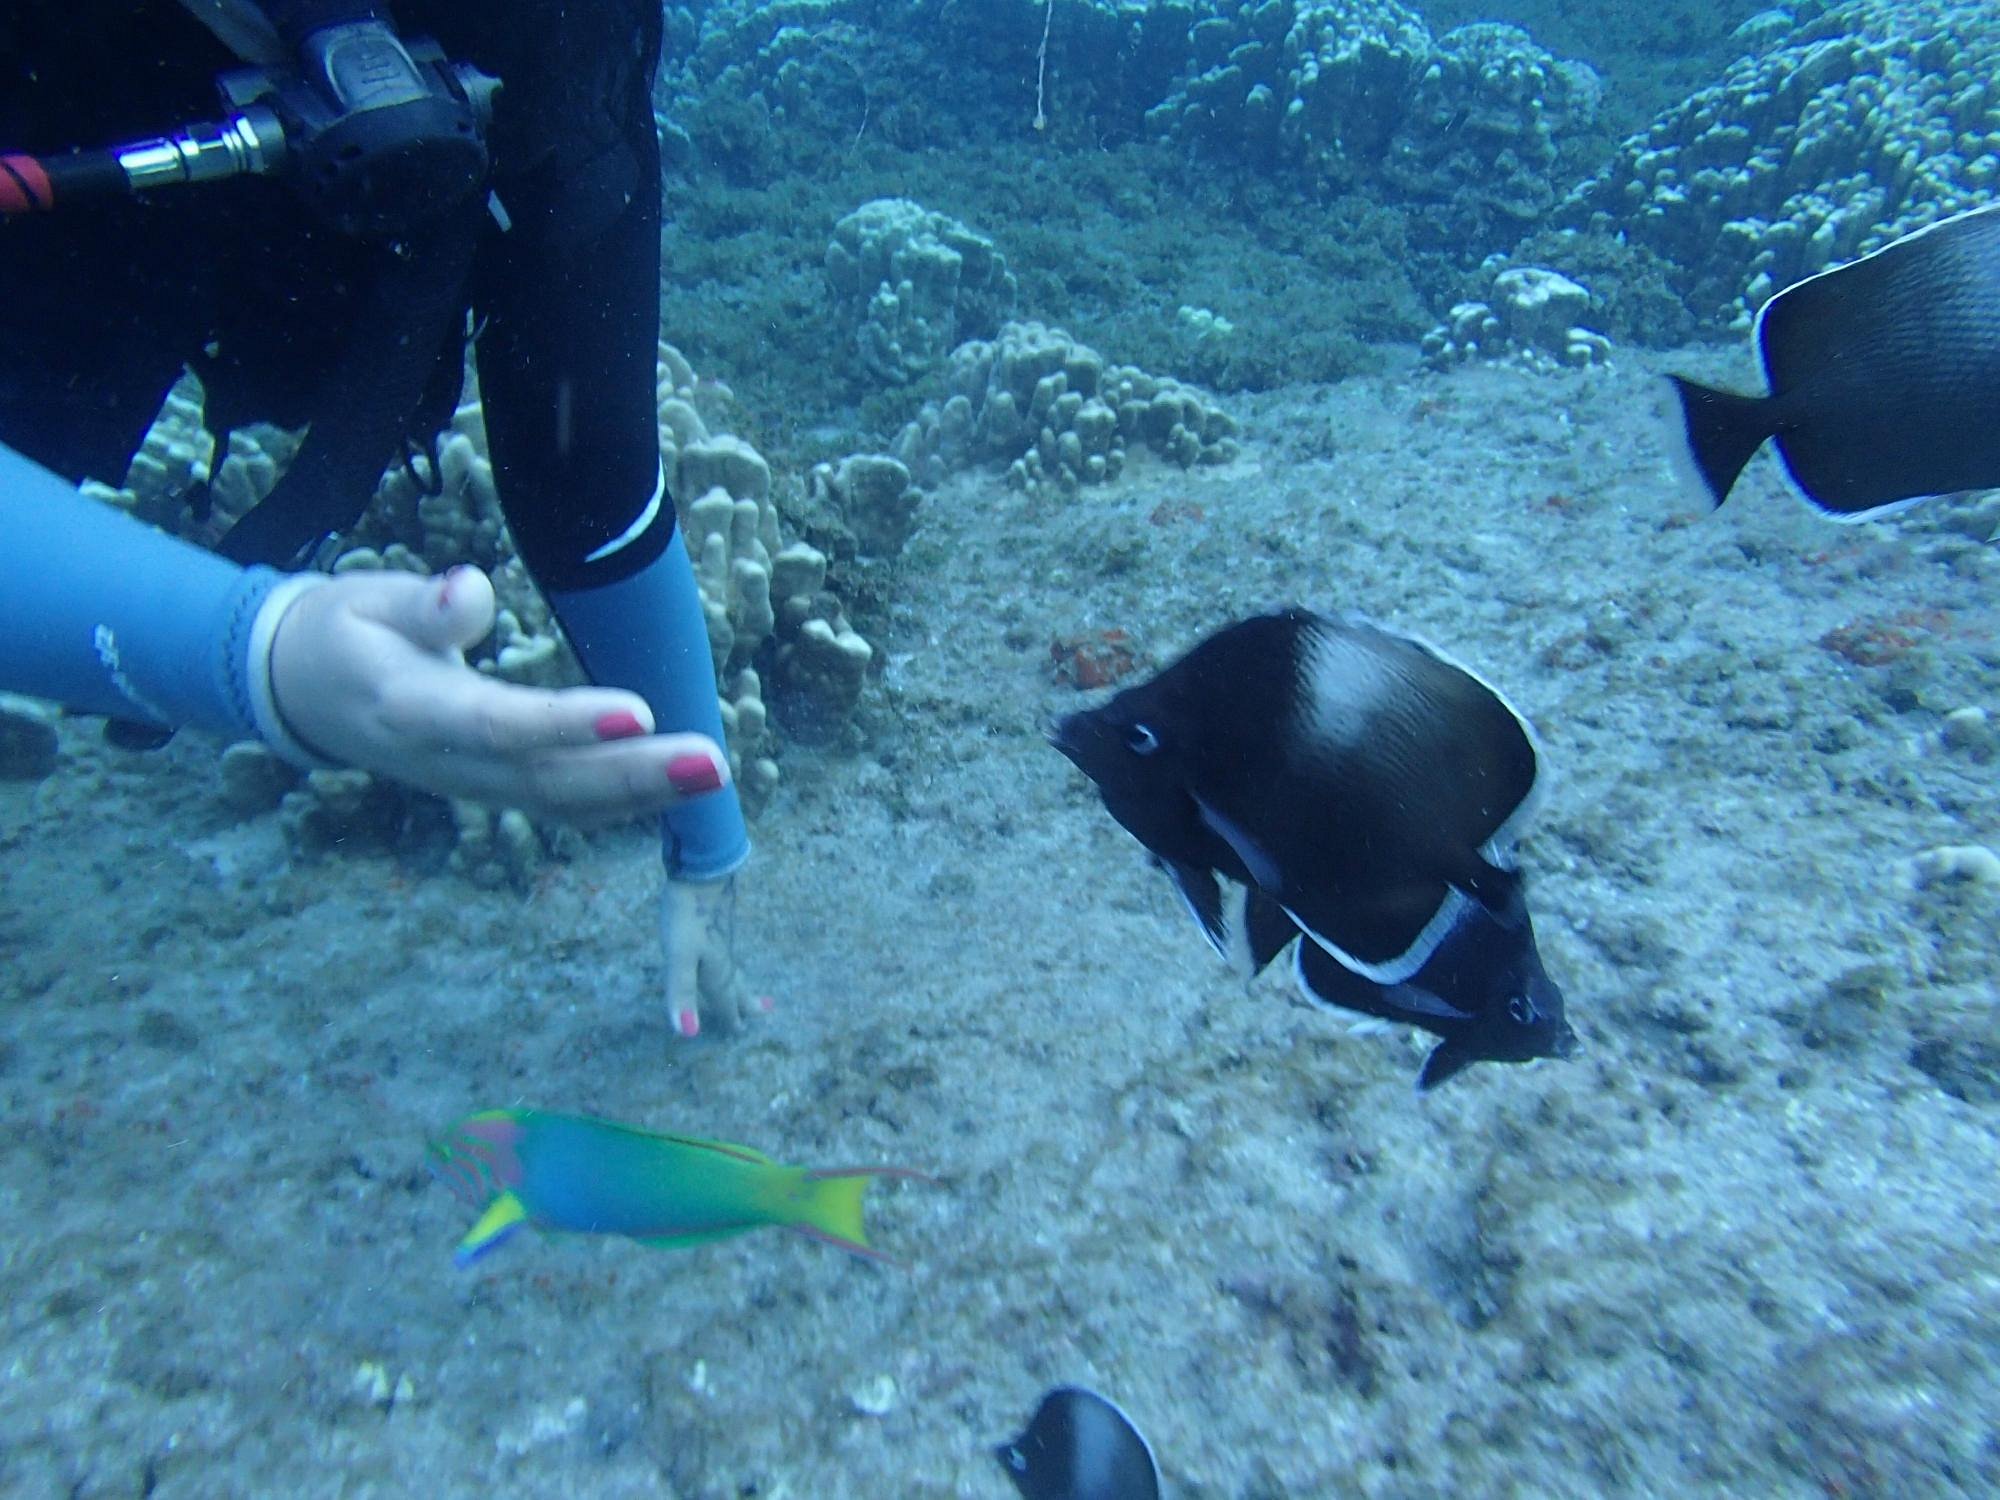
<point x="1884" y="378"/>
<point x="1296" y="774"/>
<point x="1078" y="1446"/>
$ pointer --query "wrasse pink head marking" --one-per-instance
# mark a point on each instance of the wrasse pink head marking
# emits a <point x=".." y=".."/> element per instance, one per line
<point x="479" y="1160"/>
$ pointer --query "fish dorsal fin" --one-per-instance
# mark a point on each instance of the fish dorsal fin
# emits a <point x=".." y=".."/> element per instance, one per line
<point x="694" y="1142"/>
<point x="721" y="1148"/>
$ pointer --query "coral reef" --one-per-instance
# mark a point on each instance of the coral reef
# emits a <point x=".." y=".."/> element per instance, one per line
<point x="436" y="510"/>
<point x="755" y="82"/>
<point x="1973" y="864"/>
<point x="1869" y="121"/>
<point x="1633" y="299"/>
<point x="427" y="516"/>
<point x="821" y="661"/>
<point x="174" y="482"/>
<point x="873" y="497"/>
<point x="918" y="282"/>
<point x="1969" y="731"/>
<point x="754" y="587"/>
<point x="764" y="87"/>
<point x="1358" y="93"/>
<point x="27" y="738"/>
<point x="1057" y="413"/>
<point x="1346" y="93"/>
<point x="173" y="461"/>
<point x="1095" y="659"/>
<point x="495" y="846"/>
<point x="254" y="779"/>
<point x="1533" y="315"/>
<point x="331" y="808"/>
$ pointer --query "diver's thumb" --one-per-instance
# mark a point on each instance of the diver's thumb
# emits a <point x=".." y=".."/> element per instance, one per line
<point x="450" y="612"/>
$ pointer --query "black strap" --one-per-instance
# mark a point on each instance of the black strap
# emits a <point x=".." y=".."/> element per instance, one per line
<point x="406" y="323"/>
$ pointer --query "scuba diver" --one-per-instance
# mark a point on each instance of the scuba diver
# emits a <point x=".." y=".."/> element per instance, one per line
<point x="310" y="198"/>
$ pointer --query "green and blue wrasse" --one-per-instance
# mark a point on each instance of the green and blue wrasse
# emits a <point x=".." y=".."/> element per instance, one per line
<point x="586" y="1176"/>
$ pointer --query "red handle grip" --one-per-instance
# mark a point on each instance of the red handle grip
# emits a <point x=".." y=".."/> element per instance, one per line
<point x="24" y="185"/>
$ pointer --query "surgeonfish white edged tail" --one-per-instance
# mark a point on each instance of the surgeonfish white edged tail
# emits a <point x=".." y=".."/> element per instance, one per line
<point x="1079" y="1446"/>
<point x="1883" y="377"/>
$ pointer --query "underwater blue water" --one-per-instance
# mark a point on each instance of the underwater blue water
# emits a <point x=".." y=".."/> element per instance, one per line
<point x="1008" y="351"/>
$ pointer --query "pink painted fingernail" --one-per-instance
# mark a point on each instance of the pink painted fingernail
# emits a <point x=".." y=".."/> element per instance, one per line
<point x="619" y="724"/>
<point x="449" y="577"/>
<point x="690" y="1023"/>
<point x="694" y="773"/>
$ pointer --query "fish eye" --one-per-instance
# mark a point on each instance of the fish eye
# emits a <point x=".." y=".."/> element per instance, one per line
<point x="1140" y="740"/>
<point x="1522" y="1009"/>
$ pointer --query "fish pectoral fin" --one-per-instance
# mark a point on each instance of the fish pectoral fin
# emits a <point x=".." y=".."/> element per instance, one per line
<point x="503" y="1216"/>
<point x="1447" y="1059"/>
<point x="1258" y="860"/>
<point x="1201" y="893"/>
<point x="1421" y="1002"/>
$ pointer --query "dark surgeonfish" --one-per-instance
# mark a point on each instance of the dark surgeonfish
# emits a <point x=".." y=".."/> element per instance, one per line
<point x="1297" y="774"/>
<point x="1078" y="1446"/>
<point x="1884" y="378"/>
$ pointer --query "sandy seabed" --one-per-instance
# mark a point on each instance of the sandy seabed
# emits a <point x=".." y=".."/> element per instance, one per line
<point x="1743" y="1246"/>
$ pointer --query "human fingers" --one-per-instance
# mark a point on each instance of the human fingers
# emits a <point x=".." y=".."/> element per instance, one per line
<point x="585" y="784"/>
<point x="454" y="709"/>
<point x="629" y="778"/>
<point x="449" y="612"/>
<point x="681" y="937"/>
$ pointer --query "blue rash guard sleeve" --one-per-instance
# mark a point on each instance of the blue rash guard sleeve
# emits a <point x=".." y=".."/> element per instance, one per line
<point x="105" y="614"/>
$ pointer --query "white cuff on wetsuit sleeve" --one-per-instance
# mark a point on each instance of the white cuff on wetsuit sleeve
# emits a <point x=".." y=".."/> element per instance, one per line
<point x="257" y="674"/>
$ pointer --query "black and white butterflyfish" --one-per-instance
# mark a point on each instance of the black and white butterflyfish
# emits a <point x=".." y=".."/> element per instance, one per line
<point x="1882" y="376"/>
<point x="1332" y="781"/>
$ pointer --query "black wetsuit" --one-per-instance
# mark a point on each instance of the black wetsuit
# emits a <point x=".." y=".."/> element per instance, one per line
<point x="274" y="309"/>
<point x="290" y="321"/>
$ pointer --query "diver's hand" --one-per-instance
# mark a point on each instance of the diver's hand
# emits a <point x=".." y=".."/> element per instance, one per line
<point x="367" y="670"/>
<point x="698" y="940"/>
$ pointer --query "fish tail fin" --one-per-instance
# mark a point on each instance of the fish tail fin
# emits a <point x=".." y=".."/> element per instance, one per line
<point x="829" y="1207"/>
<point x="504" y="1215"/>
<point x="1720" y="431"/>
